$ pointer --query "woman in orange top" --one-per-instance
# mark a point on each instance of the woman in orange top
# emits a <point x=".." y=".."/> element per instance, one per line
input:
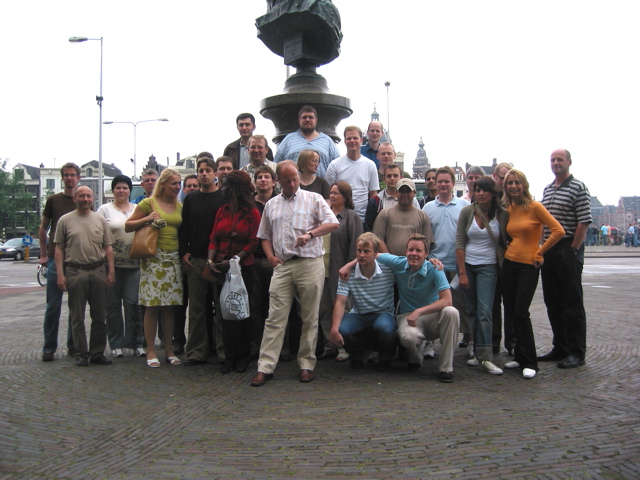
<point x="522" y="261"/>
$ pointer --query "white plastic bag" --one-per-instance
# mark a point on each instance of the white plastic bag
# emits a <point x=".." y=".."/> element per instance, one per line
<point x="234" y="298"/>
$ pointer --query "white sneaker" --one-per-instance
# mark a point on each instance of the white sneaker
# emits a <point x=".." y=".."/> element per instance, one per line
<point x="512" y="364"/>
<point x="473" y="362"/>
<point x="117" y="353"/>
<point x="427" y="350"/>
<point x="470" y="353"/>
<point x="490" y="367"/>
<point x="528" y="373"/>
<point x="140" y="352"/>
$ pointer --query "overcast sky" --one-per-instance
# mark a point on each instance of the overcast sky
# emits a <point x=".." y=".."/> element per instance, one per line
<point x="475" y="79"/>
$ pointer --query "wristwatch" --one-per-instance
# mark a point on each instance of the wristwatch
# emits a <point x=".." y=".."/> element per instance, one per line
<point x="209" y="261"/>
<point x="310" y="234"/>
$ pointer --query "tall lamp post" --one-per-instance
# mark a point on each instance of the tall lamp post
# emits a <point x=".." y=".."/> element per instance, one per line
<point x="99" y="101"/>
<point x="135" y="124"/>
<point x="388" y="84"/>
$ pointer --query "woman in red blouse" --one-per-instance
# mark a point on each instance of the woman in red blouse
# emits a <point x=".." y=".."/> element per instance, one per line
<point x="234" y="234"/>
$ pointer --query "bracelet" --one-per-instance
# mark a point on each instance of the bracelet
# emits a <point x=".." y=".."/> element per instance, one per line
<point x="310" y="234"/>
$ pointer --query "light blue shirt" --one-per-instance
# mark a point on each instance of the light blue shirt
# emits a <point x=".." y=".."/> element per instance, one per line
<point x="417" y="289"/>
<point x="444" y="223"/>
<point x="294" y="143"/>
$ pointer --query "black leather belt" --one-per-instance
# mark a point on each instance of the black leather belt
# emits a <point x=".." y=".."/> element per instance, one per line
<point x="86" y="266"/>
<point x="295" y="257"/>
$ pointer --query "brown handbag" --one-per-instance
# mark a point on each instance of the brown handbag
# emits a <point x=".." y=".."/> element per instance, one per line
<point x="145" y="241"/>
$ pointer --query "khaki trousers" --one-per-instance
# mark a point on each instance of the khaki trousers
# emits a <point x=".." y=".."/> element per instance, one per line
<point x="306" y="277"/>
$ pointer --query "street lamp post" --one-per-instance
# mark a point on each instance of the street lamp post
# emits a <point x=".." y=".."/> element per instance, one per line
<point x="135" y="124"/>
<point x="99" y="101"/>
<point x="388" y="84"/>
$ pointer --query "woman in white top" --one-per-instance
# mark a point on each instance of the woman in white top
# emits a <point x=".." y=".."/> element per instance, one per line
<point x="477" y="241"/>
<point x="124" y="292"/>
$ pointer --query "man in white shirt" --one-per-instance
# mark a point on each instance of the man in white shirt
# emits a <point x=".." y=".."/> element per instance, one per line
<point x="291" y="229"/>
<point x="355" y="169"/>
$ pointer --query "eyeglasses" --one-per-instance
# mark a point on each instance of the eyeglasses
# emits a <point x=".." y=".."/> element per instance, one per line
<point x="69" y="175"/>
<point x="150" y="180"/>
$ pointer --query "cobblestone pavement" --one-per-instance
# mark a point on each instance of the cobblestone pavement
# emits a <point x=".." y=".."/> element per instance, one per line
<point x="130" y="421"/>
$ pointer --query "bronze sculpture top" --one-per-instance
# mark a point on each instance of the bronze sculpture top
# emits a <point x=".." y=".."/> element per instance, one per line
<point x="311" y="29"/>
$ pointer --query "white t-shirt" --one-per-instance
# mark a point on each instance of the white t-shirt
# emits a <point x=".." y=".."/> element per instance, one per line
<point x="361" y="174"/>
<point x="480" y="248"/>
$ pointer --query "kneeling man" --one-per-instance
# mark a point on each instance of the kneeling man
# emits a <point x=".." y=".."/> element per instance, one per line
<point x="370" y="325"/>
<point x="425" y="310"/>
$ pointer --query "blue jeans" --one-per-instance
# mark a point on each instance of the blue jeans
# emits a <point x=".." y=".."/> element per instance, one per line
<point x="362" y="331"/>
<point x="52" y="314"/>
<point x="479" y="295"/>
<point x="124" y="292"/>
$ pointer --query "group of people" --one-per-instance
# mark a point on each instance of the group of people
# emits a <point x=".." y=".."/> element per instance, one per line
<point x="367" y="273"/>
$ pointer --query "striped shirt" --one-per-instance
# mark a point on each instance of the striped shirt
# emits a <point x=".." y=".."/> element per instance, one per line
<point x="369" y="295"/>
<point x="294" y="143"/>
<point x="285" y="219"/>
<point x="570" y="204"/>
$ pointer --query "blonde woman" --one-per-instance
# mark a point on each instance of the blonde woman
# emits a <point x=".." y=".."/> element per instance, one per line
<point x="161" y="276"/>
<point x="522" y="261"/>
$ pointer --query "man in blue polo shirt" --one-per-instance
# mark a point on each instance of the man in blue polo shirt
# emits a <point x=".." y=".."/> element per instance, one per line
<point x="425" y="310"/>
<point x="371" y="323"/>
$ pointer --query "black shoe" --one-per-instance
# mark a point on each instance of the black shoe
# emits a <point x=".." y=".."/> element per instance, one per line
<point x="178" y="349"/>
<point x="571" y="361"/>
<point x="225" y="367"/>
<point x="48" y="356"/>
<point x="383" y="366"/>
<point x="413" y="366"/>
<point x="463" y="344"/>
<point x="357" y="363"/>
<point x="192" y="362"/>
<point x="445" y="377"/>
<point x="82" y="362"/>
<point x="551" y="356"/>
<point x="100" y="360"/>
<point x="241" y="367"/>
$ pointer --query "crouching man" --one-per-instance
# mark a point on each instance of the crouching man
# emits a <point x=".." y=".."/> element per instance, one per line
<point x="425" y="310"/>
<point x="370" y="325"/>
<point x="84" y="262"/>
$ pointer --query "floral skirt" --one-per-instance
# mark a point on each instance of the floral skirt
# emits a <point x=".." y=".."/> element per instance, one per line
<point x="161" y="280"/>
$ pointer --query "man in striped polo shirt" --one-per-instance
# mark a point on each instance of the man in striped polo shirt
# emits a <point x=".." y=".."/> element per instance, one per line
<point x="569" y="201"/>
<point x="371" y="323"/>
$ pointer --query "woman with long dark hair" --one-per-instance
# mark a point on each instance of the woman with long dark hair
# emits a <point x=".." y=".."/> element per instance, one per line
<point x="234" y="234"/>
<point x="477" y="240"/>
<point x="522" y="261"/>
<point x="341" y="249"/>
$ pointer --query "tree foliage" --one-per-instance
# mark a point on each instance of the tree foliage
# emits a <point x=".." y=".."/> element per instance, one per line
<point x="17" y="215"/>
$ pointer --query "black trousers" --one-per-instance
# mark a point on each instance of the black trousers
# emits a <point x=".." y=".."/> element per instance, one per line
<point x="520" y="283"/>
<point x="563" y="297"/>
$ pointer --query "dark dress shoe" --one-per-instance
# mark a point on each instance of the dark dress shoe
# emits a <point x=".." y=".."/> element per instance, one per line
<point x="192" y="362"/>
<point x="306" y="375"/>
<point x="241" y="367"/>
<point x="260" y="379"/>
<point x="82" y="362"/>
<point x="552" y="356"/>
<point x="100" y="360"/>
<point x="571" y="361"/>
<point x="48" y="356"/>
<point x="225" y="367"/>
<point x="357" y="363"/>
